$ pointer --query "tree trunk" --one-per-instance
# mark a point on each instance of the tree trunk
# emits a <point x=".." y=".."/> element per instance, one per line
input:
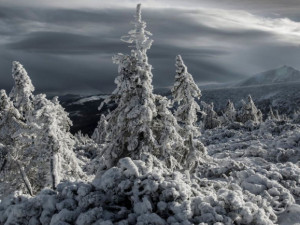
<point x="25" y="178"/>
<point x="54" y="171"/>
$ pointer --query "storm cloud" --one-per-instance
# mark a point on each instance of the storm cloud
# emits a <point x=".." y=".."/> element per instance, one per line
<point x="68" y="48"/>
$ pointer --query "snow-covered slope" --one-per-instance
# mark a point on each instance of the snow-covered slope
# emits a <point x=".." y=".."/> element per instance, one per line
<point x="282" y="74"/>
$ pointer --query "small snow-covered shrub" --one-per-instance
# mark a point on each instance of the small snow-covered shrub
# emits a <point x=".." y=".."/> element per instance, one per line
<point x="271" y="190"/>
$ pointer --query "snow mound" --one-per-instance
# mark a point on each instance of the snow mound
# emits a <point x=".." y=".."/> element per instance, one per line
<point x="140" y="192"/>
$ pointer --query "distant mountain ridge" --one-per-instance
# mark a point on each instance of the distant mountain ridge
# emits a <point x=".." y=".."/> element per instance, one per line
<point x="283" y="74"/>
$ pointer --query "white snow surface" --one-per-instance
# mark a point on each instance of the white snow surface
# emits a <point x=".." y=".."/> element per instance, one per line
<point x="250" y="176"/>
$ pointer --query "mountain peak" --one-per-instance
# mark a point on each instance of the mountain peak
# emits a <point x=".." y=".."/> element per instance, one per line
<point x="283" y="74"/>
<point x="286" y="67"/>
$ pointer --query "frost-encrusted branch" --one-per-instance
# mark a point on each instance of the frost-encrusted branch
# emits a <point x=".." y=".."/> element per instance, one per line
<point x="139" y="36"/>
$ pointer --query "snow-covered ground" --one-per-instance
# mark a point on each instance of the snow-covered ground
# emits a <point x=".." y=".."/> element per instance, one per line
<point x="263" y="160"/>
<point x="250" y="175"/>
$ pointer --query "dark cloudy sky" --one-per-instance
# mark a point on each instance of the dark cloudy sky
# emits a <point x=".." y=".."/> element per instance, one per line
<point x="66" y="45"/>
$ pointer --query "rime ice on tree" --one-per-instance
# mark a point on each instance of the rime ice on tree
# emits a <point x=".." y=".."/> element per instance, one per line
<point x="51" y="124"/>
<point x="10" y="119"/>
<point x="21" y="94"/>
<point x="38" y="143"/>
<point x="100" y="133"/>
<point x="184" y="92"/>
<point x="171" y="145"/>
<point x="140" y="38"/>
<point x="130" y="123"/>
<point x="13" y="153"/>
<point x="249" y="112"/>
<point x="211" y="119"/>
<point x="229" y="115"/>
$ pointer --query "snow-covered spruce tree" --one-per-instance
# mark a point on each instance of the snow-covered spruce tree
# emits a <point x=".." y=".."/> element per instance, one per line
<point x="54" y="159"/>
<point x="166" y="129"/>
<point x="184" y="92"/>
<point x="130" y="124"/>
<point x="273" y="115"/>
<point x="100" y="133"/>
<point x="229" y="115"/>
<point x="211" y="119"/>
<point x="36" y="133"/>
<point x="249" y="112"/>
<point x="21" y="94"/>
<point x="14" y="157"/>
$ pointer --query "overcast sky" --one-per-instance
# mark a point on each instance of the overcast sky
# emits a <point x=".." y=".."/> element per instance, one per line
<point x="66" y="45"/>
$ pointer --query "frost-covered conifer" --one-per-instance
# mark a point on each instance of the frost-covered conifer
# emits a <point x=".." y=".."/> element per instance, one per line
<point x="36" y="132"/>
<point x="166" y="129"/>
<point x="184" y="92"/>
<point x="249" y="112"/>
<point x="211" y="119"/>
<point x="10" y="119"/>
<point x="100" y="133"/>
<point x="21" y="94"/>
<point x="13" y="155"/>
<point x="53" y="144"/>
<point x="229" y="114"/>
<point x="273" y="115"/>
<point x="130" y="124"/>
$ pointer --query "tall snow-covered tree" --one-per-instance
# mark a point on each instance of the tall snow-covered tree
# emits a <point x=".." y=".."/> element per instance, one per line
<point x="249" y="112"/>
<point x="21" y="94"/>
<point x="13" y="159"/>
<point x="53" y="144"/>
<point x="100" y="133"/>
<point x="38" y="144"/>
<point x="229" y="114"/>
<point x="211" y="119"/>
<point x="184" y="92"/>
<point x="176" y="151"/>
<point x="130" y="124"/>
<point x="14" y="131"/>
